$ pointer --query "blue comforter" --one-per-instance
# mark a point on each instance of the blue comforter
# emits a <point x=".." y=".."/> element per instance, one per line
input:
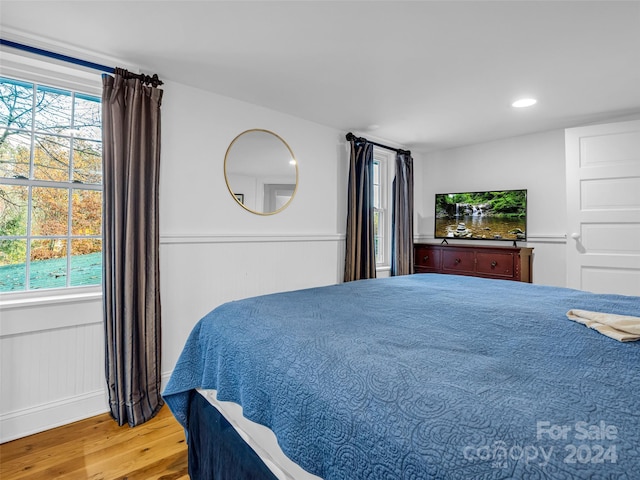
<point x="426" y="376"/>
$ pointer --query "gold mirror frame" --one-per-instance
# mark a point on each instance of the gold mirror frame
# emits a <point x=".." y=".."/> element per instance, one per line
<point x="243" y="146"/>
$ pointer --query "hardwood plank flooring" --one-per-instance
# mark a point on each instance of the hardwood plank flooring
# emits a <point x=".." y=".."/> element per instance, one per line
<point x="98" y="449"/>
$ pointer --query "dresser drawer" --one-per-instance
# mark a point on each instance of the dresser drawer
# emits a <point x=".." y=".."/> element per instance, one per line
<point x="495" y="264"/>
<point x="426" y="259"/>
<point x="458" y="261"/>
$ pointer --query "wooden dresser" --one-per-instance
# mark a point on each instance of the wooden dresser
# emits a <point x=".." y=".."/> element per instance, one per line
<point x="508" y="262"/>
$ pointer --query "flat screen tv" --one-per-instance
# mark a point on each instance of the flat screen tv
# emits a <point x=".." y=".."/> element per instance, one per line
<point x="491" y="215"/>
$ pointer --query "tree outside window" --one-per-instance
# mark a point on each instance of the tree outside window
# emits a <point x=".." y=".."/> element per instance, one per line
<point x="50" y="187"/>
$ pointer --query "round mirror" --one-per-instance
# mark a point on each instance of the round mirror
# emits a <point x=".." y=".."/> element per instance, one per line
<point x="261" y="171"/>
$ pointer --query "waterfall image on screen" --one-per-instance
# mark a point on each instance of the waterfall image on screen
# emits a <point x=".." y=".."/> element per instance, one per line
<point x="490" y="215"/>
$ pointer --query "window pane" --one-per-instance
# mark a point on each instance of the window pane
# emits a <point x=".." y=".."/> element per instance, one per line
<point x="48" y="267"/>
<point x="16" y="102"/>
<point x="13" y="210"/>
<point x="49" y="212"/>
<point x="15" y="153"/>
<point x="376" y="196"/>
<point x="87" y="161"/>
<point x="376" y="185"/>
<point x="86" y="212"/>
<point x="377" y="235"/>
<point x="53" y="114"/>
<point x="86" y="262"/>
<point x="51" y="158"/>
<point x="87" y="117"/>
<point x="13" y="255"/>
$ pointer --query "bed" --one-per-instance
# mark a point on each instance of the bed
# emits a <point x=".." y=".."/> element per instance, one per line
<point x="424" y="376"/>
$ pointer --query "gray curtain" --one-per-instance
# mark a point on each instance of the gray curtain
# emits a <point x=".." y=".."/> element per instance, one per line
<point x="402" y="217"/>
<point x="360" y="259"/>
<point x="131" y="287"/>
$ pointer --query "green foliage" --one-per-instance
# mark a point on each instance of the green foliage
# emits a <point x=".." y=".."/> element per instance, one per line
<point x="14" y="225"/>
<point x="509" y="203"/>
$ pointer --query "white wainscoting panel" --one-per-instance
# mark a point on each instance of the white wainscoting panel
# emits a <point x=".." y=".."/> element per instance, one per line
<point x="199" y="273"/>
<point x="52" y="352"/>
<point x="50" y="378"/>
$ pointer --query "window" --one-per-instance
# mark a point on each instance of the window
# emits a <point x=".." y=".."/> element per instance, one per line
<point x="382" y="178"/>
<point x="50" y="187"/>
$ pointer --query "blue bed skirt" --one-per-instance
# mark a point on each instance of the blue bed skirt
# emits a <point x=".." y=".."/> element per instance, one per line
<point x="216" y="451"/>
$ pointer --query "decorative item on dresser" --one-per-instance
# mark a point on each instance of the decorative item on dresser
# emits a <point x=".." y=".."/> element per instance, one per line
<point x="508" y="263"/>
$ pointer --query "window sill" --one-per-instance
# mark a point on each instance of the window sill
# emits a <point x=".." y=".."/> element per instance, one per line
<point x="28" y="312"/>
<point x="47" y="297"/>
<point x="383" y="271"/>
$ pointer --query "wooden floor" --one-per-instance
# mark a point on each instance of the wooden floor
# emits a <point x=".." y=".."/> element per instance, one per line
<point x="97" y="449"/>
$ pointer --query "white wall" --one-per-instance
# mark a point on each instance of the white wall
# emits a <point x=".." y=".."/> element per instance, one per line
<point x="533" y="162"/>
<point x="211" y="251"/>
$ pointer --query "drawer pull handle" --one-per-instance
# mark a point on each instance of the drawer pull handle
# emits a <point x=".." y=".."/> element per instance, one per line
<point x="457" y="261"/>
<point x="493" y="264"/>
<point x="426" y="257"/>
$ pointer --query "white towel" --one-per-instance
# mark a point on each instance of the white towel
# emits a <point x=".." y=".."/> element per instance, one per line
<point x="624" y="328"/>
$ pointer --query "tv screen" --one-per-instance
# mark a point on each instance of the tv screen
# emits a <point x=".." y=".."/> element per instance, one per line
<point x="491" y="215"/>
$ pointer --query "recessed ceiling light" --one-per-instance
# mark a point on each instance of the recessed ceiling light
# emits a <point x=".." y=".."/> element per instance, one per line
<point x="524" y="102"/>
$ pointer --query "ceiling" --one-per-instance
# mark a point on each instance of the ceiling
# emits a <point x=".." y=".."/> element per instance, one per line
<point x="425" y="75"/>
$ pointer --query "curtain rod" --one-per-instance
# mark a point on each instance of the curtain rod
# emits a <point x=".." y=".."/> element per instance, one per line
<point x="153" y="80"/>
<point x="350" y="136"/>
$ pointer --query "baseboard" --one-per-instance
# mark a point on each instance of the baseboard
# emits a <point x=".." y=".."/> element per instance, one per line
<point x="21" y="423"/>
<point x="25" y="422"/>
<point x="28" y="421"/>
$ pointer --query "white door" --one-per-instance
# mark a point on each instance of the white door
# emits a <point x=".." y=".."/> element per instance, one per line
<point x="603" y="208"/>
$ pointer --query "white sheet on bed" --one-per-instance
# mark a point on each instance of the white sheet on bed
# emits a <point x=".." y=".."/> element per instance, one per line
<point x="260" y="438"/>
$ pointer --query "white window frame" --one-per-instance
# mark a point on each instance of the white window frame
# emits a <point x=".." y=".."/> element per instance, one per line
<point x="385" y="158"/>
<point x="19" y="66"/>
